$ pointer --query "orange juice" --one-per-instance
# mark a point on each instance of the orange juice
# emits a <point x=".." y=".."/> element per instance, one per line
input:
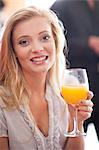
<point x="73" y="95"/>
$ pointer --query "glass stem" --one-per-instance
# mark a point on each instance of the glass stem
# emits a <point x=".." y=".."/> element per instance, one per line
<point x="76" y="120"/>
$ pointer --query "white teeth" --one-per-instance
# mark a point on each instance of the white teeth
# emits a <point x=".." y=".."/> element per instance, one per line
<point x="38" y="59"/>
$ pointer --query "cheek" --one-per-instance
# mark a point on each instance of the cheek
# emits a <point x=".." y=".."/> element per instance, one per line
<point x="52" y="55"/>
<point x="53" y="51"/>
<point x="21" y="56"/>
<point x="20" y="53"/>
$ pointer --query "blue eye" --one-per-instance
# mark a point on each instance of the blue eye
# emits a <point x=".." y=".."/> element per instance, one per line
<point x="24" y="42"/>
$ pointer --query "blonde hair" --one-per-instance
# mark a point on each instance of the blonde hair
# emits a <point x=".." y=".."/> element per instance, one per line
<point x="12" y="87"/>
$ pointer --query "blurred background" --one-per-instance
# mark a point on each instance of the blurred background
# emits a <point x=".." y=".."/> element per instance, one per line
<point x="7" y="7"/>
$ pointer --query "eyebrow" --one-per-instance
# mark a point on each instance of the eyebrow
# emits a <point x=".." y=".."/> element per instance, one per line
<point x="45" y="31"/>
<point x="26" y="36"/>
<point x="23" y="36"/>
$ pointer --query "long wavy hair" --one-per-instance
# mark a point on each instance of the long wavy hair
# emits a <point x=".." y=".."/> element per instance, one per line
<point x="12" y="83"/>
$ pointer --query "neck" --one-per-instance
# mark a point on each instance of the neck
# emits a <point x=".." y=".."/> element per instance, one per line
<point x="36" y="83"/>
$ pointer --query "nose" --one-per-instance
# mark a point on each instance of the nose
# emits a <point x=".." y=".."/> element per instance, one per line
<point x="36" y="50"/>
<point x="37" y="47"/>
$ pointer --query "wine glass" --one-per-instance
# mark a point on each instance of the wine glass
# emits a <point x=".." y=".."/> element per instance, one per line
<point x="75" y="89"/>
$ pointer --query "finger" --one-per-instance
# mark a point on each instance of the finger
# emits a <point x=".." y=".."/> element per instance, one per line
<point x="90" y="95"/>
<point x="85" y="109"/>
<point x="86" y="103"/>
<point x="85" y="115"/>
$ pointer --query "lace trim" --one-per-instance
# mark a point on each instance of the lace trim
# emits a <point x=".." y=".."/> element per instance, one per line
<point x="55" y="112"/>
<point x="51" y="142"/>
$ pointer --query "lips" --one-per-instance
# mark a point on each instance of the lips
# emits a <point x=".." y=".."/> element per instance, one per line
<point x="39" y="59"/>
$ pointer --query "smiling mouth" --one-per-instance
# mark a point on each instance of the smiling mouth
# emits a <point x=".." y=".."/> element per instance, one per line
<point x="39" y="60"/>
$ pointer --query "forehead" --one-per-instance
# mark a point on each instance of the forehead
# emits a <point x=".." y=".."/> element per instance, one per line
<point x="35" y="24"/>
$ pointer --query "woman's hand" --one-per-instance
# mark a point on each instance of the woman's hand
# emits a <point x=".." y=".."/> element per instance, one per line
<point x="84" y="108"/>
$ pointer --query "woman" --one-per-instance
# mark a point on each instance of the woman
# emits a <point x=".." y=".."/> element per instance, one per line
<point x="33" y="115"/>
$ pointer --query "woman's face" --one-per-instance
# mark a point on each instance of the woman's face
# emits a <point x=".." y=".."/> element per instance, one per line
<point x="34" y="45"/>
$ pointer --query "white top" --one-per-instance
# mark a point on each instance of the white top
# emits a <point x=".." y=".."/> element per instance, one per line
<point x="23" y="133"/>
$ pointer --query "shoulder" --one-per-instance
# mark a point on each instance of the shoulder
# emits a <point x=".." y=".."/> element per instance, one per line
<point x="54" y="96"/>
<point x="63" y="107"/>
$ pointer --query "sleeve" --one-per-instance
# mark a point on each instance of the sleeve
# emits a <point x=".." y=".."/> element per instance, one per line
<point x="3" y="124"/>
